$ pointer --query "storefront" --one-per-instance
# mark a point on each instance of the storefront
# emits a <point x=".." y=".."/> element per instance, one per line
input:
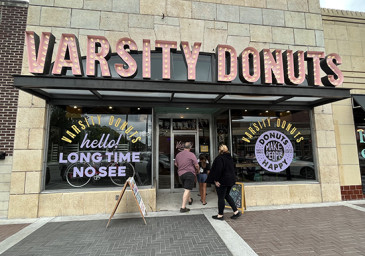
<point x="116" y="106"/>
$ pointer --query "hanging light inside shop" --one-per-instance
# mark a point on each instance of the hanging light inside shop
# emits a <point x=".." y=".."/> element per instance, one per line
<point x="75" y="106"/>
<point x="110" y="107"/>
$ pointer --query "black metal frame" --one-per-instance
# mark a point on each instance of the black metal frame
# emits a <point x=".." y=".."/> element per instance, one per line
<point x="35" y="84"/>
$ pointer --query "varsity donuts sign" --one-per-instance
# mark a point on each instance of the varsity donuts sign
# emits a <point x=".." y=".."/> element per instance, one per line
<point x="250" y="65"/>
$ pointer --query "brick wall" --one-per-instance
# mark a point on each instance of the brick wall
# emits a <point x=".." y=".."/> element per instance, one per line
<point x="352" y="193"/>
<point x="13" y="15"/>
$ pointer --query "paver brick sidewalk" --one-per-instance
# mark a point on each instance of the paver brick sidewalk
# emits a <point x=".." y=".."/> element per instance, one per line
<point x="9" y="230"/>
<point x="335" y="230"/>
<point x="174" y="235"/>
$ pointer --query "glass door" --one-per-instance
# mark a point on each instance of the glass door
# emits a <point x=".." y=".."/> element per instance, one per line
<point x="179" y="139"/>
<point x="172" y="133"/>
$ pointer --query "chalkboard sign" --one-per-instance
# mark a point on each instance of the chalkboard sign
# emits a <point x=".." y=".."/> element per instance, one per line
<point x="238" y="195"/>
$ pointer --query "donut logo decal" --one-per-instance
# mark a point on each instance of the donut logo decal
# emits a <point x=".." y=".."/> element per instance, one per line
<point x="274" y="151"/>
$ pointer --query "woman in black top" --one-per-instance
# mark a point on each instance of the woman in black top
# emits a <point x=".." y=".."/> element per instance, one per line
<point x="223" y="176"/>
<point x="204" y="170"/>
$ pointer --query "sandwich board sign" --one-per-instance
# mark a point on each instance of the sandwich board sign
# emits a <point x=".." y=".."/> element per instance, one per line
<point x="238" y="195"/>
<point x="137" y="196"/>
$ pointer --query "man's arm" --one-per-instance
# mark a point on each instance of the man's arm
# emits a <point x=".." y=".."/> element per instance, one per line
<point x="197" y="168"/>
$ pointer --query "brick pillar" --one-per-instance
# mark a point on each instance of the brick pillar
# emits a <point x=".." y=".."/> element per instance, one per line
<point x="13" y="19"/>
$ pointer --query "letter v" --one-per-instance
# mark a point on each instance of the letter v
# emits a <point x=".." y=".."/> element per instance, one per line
<point x="39" y="52"/>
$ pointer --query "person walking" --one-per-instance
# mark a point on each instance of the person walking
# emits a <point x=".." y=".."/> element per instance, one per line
<point x="188" y="166"/>
<point x="202" y="177"/>
<point x="222" y="175"/>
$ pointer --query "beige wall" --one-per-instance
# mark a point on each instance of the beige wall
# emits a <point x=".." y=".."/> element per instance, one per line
<point x="5" y="173"/>
<point x="276" y="24"/>
<point x="344" y="33"/>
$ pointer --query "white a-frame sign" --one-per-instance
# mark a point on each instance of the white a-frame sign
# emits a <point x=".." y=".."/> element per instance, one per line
<point x="142" y="208"/>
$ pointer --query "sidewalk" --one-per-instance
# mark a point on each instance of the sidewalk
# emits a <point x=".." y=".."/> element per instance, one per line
<point x="312" y="229"/>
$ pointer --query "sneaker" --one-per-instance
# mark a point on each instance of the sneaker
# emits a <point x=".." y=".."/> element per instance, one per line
<point x="217" y="218"/>
<point x="191" y="202"/>
<point x="235" y="216"/>
<point x="184" y="209"/>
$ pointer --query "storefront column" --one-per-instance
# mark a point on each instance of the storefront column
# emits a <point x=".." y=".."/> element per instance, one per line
<point x="26" y="176"/>
<point x="347" y="151"/>
<point x="326" y="152"/>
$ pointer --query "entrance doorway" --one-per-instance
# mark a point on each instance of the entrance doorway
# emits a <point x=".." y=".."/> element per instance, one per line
<point x="179" y="140"/>
<point x="173" y="132"/>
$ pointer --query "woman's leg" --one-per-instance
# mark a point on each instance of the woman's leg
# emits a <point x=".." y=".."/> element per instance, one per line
<point x="221" y="192"/>
<point x="204" y="192"/>
<point x="200" y="190"/>
<point x="229" y="199"/>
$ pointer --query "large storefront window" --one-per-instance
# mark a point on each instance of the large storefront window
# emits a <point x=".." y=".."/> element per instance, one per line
<point x="359" y="116"/>
<point x="94" y="147"/>
<point x="286" y="151"/>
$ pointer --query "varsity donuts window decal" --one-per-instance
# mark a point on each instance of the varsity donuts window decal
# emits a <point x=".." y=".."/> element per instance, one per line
<point x="274" y="151"/>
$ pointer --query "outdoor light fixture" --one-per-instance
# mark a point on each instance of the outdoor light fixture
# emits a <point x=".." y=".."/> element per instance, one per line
<point x="110" y="107"/>
<point x="2" y="155"/>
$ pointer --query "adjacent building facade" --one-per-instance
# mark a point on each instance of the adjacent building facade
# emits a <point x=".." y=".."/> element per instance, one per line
<point x="127" y="82"/>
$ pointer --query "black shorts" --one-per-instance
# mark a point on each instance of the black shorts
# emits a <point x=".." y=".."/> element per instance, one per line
<point x="188" y="180"/>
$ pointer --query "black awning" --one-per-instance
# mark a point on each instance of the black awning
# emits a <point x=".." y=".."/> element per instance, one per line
<point x="360" y="100"/>
<point x="124" y="92"/>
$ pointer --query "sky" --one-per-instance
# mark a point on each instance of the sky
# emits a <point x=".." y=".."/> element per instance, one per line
<point x="352" y="5"/>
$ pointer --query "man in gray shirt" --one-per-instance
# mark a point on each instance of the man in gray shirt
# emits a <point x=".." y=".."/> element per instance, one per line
<point x="188" y="166"/>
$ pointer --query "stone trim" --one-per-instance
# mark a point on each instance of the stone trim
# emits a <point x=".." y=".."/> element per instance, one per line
<point x="352" y="193"/>
<point x="341" y="13"/>
<point x="343" y="16"/>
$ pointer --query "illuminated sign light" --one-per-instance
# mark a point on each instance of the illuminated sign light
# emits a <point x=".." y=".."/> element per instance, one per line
<point x="250" y="65"/>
